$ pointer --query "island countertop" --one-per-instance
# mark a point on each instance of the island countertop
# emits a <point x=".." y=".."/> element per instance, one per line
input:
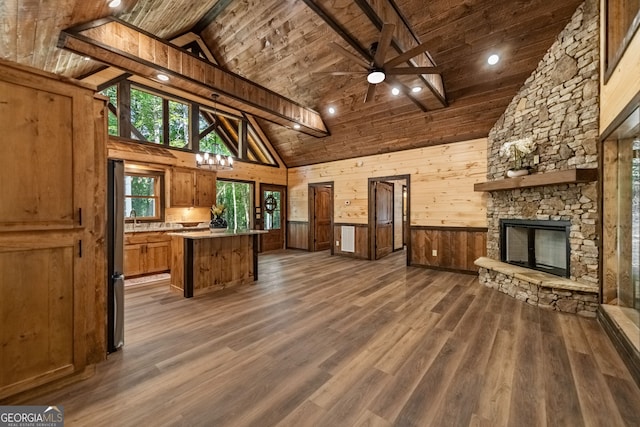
<point x="207" y="260"/>
<point x="208" y="234"/>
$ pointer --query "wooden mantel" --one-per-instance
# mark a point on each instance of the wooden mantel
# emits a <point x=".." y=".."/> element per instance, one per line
<point x="571" y="176"/>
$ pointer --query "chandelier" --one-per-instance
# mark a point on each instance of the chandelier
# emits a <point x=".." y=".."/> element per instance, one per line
<point x="214" y="162"/>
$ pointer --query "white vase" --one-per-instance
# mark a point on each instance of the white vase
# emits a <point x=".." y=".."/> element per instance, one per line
<point x="517" y="172"/>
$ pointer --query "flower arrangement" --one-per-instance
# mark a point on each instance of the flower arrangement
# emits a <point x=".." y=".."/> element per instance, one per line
<point x="217" y="221"/>
<point x="518" y="150"/>
<point x="217" y="210"/>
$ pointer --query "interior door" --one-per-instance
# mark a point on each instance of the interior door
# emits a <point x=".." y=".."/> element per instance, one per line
<point x="322" y="202"/>
<point x="384" y="218"/>
<point x="273" y="205"/>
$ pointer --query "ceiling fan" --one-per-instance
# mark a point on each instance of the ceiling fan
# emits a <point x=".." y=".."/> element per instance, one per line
<point x="378" y="70"/>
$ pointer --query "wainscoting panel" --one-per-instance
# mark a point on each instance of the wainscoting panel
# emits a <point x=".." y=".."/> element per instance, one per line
<point x="448" y="248"/>
<point x="361" y="241"/>
<point x="298" y="235"/>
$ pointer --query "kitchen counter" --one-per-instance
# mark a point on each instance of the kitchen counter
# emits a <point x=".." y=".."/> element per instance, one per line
<point x="162" y="228"/>
<point x="203" y="261"/>
<point x="208" y="234"/>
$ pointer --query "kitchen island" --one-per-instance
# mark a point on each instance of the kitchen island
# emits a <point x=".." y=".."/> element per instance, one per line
<point x="207" y="260"/>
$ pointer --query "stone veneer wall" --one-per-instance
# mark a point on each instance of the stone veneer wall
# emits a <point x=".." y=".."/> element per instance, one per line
<point x="558" y="107"/>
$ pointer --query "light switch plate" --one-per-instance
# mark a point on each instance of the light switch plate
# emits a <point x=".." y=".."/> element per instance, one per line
<point x="434" y="252"/>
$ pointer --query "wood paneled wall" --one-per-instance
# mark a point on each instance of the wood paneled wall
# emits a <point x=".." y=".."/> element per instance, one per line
<point x="361" y="241"/>
<point x="623" y="84"/>
<point x="298" y="235"/>
<point x="449" y="248"/>
<point x="442" y="179"/>
<point x="441" y="187"/>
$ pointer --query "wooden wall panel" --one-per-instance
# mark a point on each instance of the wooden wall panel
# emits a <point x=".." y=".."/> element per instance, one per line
<point x="298" y="235"/>
<point x="52" y="305"/>
<point x="361" y="241"/>
<point x="441" y="192"/>
<point x="623" y="84"/>
<point x="36" y="312"/>
<point x="456" y="247"/>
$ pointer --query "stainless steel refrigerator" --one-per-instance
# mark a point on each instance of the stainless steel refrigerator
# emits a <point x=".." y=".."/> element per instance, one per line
<point x="115" y="252"/>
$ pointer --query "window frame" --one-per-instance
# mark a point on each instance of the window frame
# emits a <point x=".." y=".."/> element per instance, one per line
<point x="613" y="52"/>
<point x="158" y="197"/>
<point x="251" y="139"/>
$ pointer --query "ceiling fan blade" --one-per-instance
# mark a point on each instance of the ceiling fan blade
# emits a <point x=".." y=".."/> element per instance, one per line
<point x="383" y="44"/>
<point x="344" y="52"/>
<point x="413" y="70"/>
<point x="340" y="73"/>
<point x="370" y="92"/>
<point x="403" y="57"/>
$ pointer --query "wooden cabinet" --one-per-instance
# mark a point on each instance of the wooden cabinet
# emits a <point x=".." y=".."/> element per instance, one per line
<point x="205" y="189"/>
<point x="146" y="253"/>
<point x="52" y="216"/>
<point x="192" y="188"/>
<point x="182" y="187"/>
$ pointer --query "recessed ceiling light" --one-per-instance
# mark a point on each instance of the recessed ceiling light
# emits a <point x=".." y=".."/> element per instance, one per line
<point x="86" y="58"/>
<point x="296" y="126"/>
<point x="416" y="89"/>
<point x="395" y="91"/>
<point x="115" y="3"/>
<point x="163" y="77"/>
<point x="332" y="110"/>
<point x="493" y="59"/>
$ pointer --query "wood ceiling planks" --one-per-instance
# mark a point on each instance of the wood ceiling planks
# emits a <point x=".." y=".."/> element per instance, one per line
<point x="280" y="44"/>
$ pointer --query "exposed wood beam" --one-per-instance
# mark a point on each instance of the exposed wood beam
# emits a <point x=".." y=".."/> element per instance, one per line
<point x="377" y="21"/>
<point x="351" y="41"/>
<point x="211" y="15"/>
<point x="133" y="50"/>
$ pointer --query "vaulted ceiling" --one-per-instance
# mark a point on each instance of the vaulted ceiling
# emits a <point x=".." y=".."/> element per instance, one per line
<point x="284" y="45"/>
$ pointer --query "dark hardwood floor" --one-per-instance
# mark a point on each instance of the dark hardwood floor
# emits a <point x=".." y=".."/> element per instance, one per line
<point x="333" y="341"/>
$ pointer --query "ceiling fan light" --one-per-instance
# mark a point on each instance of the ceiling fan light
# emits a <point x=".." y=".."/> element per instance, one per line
<point x="375" y="77"/>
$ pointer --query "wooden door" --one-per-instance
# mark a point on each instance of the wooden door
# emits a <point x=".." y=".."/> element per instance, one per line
<point x="182" y="188"/>
<point x="51" y="224"/>
<point x="274" y="208"/>
<point x="322" y="209"/>
<point x="383" y="218"/>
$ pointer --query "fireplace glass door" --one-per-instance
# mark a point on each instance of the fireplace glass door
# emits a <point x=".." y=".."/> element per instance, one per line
<point x="539" y="245"/>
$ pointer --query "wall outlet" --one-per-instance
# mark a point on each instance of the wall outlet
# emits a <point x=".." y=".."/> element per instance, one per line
<point x="536" y="159"/>
<point x="434" y="252"/>
<point x="337" y="242"/>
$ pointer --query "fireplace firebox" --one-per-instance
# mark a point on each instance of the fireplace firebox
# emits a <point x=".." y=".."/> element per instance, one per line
<point x="536" y="244"/>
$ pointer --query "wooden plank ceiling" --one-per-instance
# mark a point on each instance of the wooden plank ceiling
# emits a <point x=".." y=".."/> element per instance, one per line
<point x="282" y="44"/>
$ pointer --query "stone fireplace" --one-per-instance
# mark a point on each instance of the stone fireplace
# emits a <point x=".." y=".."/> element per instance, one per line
<point x="557" y="108"/>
